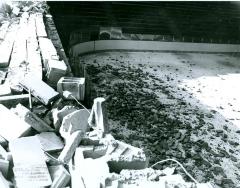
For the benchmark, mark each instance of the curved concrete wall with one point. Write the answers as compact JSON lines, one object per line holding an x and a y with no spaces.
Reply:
{"x":103,"y":45}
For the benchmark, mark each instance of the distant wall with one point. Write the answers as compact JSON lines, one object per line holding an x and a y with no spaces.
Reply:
{"x":103,"y":45}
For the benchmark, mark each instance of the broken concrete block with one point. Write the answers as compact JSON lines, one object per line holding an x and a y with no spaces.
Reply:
{"x":124,"y":156}
{"x":76,"y":86}
{"x":73,"y":122}
{"x":84,"y":171}
{"x":55,"y":70}
{"x":13,"y":100}
{"x":11,"y":122}
{"x":4,"y":183}
{"x":29,"y":163}
{"x":89,"y":172}
{"x":58,"y":115}
{"x":75,"y":170}
{"x":33,"y":120}
{"x":48,"y":50}
{"x":39,"y":89}
{"x":60,"y":176}
{"x":92,"y":138}
{"x":71,"y":144}
{"x":50,"y":141}
{"x":98,"y":116}
{"x":4,"y":166}
{"x":94,"y":152}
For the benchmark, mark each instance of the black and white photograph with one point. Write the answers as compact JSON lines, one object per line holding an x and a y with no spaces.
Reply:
{"x":119,"y":94}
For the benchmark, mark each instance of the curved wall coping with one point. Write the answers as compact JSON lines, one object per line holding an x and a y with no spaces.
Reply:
{"x":130,"y":45}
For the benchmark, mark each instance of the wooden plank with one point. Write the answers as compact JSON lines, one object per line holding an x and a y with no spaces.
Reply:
{"x":12,"y":126}
{"x":29,"y":163}
{"x":41,"y":32}
{"x":39,"y":89}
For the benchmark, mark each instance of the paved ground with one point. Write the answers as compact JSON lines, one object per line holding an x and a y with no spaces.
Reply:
{"x":175,"y":105}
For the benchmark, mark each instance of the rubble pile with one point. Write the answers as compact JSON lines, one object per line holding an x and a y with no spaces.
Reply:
{"x":48,"y":138}
{"x":140,"y":118}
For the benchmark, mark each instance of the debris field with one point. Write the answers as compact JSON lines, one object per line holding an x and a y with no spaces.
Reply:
{"x":125,"y":138}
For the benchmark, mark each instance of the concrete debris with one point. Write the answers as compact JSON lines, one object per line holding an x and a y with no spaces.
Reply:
{"x":29,"y":163}
{"x":72,"y":143}
{"x":76,"y":86}
{"x":150,"y":178}
{"x":94,"y":152}
{"x":48,"y":51}
{"x":55,"y":70}
{"x":76,"y":170}
{"x":92,"y":138}
{"x":98,"y":117}
{"x":11,"y":122}
{"x":50,"y":141}
{"x":75,"y":121}
{"x":39,"y":89}
{"x":59,"y":175}
{"x":55,"y":143}
{"x":124,"y":156}
{"x":84,"y":171}
{"x":33,"y":120}
{"x":58,"y":115}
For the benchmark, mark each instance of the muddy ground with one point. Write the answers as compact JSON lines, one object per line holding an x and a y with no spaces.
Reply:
{"x":184,"y":106}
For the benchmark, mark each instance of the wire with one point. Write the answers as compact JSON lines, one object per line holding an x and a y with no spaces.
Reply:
{"x":163,"y":161}
{"x":80,"y":103}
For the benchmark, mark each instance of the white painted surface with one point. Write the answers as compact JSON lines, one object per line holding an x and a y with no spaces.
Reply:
{"x":100,"y":45}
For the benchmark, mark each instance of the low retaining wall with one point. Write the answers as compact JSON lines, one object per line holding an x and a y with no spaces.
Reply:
{"x":102,"y":45}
